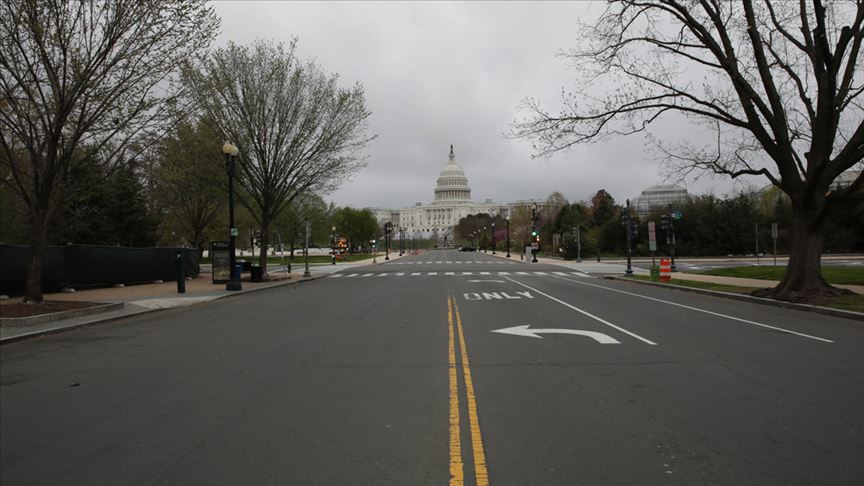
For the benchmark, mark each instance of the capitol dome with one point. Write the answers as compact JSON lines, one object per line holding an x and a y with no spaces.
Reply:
{"x":452,"y":185}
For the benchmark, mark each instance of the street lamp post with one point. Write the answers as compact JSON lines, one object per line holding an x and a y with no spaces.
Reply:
{"x":493,"y":237}
{"x":305,"y":251}
{"x":484,"y":248}
{"x":230,"y":151}
{"x":333,"y":245}
{"x":508,"y":236}
{"x":533,"y":231}
{"x":401,"y":238}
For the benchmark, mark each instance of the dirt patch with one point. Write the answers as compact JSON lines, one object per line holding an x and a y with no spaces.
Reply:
{"x":46,"y":307}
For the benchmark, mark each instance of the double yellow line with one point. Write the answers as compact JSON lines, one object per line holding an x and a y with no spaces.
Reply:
{"x":457,"y":475}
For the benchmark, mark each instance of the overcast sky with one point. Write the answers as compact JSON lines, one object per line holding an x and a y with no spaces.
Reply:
{"x":443,"y":73}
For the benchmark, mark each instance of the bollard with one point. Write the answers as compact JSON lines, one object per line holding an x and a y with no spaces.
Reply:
{"x":180,"y":271}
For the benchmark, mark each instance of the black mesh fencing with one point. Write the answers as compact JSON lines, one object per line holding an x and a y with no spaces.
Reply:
{"x":82,"y":266}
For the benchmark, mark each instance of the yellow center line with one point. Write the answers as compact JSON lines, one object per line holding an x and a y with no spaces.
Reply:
{"x":456,"y":472}
{"x":480,"y":472}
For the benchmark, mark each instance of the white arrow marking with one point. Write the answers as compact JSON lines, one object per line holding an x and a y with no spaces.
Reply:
{"x":498,"y":281}
{"x":524,"y":331}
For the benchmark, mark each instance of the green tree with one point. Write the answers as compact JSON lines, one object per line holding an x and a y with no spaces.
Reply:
{"x":297,"y":130}
{"x":190,"y":183}
{"x":84,"y":79}
{"x":291,"y":224}
{"x":106,"y":208}
{"x":783,"y":102}
{"x":358,"y":226}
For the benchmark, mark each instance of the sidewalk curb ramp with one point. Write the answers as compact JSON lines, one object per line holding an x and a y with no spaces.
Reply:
{"x":749,"y":298}
{"x":133,"y":313}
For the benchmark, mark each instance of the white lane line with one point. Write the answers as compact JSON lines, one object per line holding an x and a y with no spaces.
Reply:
{"x":414,"y":274}
{"x":580,"y":274}
{"x":485,"y":273}
{"x":383,"y":274}
{"x":336,"y":275}
{"x":754,"y":323}
{"x":540,"y":273}
{"x":432,"y":273}
{"x":592,"y":316}
{"x":366,"y":275}
{"x":399,"y":274}
{"x":352,"y":275}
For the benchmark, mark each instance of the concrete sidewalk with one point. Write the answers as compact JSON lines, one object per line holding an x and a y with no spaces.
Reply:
{"x":143,"y":298}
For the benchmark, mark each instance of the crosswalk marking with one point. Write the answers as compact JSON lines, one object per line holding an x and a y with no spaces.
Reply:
{"x":457,"y":274}
{"x":459,"y":262}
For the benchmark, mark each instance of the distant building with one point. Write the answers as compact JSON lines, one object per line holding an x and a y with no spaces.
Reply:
{"x":452,"y":202}
{"x":845,"y":180}
{"x":659,"y":197}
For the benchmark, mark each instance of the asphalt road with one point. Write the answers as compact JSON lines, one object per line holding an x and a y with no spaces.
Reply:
{"x":392,"y":374}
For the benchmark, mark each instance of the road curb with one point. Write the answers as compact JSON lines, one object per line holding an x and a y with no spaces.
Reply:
{"x":107,"y":319}
{"x":58,"y":316}
{"x":749,"y":298}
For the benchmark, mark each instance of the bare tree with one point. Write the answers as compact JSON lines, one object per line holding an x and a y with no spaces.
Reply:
{"x":81,"y":78}
{"x":297,"y":131}
{"x":774,"y":81}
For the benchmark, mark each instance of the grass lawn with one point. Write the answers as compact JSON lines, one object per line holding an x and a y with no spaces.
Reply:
{"x":847,"y":302}
{"x":834,"y":275}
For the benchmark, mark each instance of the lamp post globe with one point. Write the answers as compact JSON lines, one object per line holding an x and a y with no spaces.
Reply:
{"x":230,"y":152}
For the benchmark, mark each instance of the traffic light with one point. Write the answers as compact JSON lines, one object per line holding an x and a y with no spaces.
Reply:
{"x":634,"y":230}
{"x":664,"y":222}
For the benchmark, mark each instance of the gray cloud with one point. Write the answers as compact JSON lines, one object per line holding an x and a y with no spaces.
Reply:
{"x":440,"y":73}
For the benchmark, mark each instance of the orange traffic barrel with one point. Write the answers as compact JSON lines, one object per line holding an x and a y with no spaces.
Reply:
{"x":665,"y":270}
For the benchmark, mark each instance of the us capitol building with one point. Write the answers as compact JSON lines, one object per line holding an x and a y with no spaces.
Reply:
{"x":452,"y":202}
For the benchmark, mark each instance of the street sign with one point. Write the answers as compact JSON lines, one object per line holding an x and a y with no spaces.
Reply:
{"x":676,"y":214}
{"x":235,"y":232}
{"x":652,"y":236}
{"x":535,"y":245}
{"x":774,"y":230}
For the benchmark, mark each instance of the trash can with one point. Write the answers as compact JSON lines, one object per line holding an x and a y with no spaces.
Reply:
{"x":257,"y":273}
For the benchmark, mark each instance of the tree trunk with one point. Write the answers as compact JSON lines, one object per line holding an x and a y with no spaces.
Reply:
{"x":803,"y":280}
{"x":265,"y":240}
{"x":38,"y":234}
